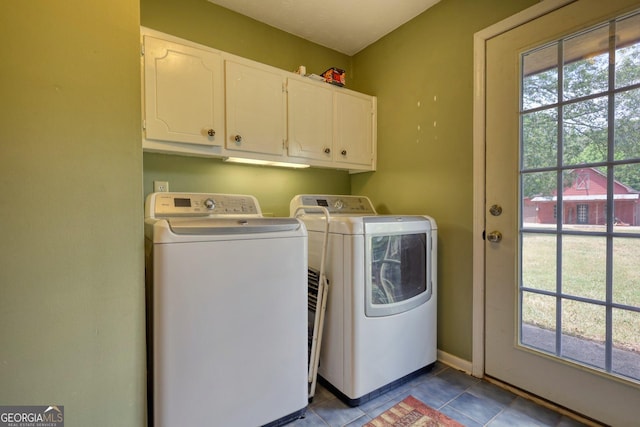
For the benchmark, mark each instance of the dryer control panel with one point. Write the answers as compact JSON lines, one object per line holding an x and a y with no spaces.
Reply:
{"x":335,"y":204}
{"x":166,"y":205}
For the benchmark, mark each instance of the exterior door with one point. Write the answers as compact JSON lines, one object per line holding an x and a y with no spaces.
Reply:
{"x":562,"y":294}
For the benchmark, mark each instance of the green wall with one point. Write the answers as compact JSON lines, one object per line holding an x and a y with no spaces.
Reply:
{"x":71,"y":264}
{"x":203,"y":22}
{"x":422,"y":74}
{"x":273,"y":187}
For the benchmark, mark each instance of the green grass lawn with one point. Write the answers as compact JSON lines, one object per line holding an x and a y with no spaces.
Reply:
{"x":584,"y":275}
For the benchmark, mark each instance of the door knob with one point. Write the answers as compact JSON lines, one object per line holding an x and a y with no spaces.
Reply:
{"x":494,"y":237}
{"x":211,"y":132}
{"x":238,"y":139}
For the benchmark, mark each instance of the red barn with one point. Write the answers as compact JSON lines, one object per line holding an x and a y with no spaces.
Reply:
{"x":585,"y":202}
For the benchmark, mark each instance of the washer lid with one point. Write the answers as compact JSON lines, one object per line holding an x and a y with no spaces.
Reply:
{"x":223,"y":226}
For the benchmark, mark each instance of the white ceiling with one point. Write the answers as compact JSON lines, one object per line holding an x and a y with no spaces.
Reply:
{"x":347,"y":26}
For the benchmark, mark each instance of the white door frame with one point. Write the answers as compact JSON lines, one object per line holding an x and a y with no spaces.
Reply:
{"x":479,"y":151}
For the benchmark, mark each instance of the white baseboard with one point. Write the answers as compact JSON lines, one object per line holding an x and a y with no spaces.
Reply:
{"x":455,"y":362}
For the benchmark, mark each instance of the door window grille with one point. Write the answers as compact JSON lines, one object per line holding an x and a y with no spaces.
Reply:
{"x":579,"y":109}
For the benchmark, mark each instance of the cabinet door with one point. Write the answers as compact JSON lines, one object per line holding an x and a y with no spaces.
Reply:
{"x":310,"y":125}
{"x":183,"y":93}
{"x":354,"y":132}
{"x":255,"y":109}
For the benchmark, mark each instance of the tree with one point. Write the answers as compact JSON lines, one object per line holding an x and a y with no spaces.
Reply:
{"x":585,"y":120}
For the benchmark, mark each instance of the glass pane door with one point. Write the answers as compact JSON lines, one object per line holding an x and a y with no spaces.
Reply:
{"x":579,"y":293}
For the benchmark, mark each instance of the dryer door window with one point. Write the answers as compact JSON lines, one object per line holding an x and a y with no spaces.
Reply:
{"x":398,"y":272}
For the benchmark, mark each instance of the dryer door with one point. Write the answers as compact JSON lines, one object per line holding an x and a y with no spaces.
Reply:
{"x":397,"y":264}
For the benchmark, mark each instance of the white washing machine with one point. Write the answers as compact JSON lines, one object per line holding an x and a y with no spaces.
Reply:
{"x":380,"y":323}
{"x":227,"y":312}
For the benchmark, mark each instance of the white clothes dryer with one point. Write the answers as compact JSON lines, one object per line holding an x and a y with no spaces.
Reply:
{"x":380,"y":323}
{"x":227,"y":312}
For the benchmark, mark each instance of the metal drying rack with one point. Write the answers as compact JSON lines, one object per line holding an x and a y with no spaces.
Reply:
{"x":318,"y":288}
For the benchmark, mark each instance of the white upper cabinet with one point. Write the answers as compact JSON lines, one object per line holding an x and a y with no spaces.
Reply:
{"x":332,"y":125}
{"x":355,"y":129}
{"x":310,"y":120}
{"x":183,"y":93}
{"x":204,"y":102}
{"x":255,"y":106}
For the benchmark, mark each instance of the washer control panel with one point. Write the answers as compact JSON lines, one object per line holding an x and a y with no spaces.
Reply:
{"x":352,"y":205}
{"x":163,"y":205}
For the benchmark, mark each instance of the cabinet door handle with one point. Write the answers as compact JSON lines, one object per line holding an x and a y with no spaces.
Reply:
{"x":327,"y":150}
{"x":211,"y":132}
{"x":238,"y":139}
{"x":343,"y":152}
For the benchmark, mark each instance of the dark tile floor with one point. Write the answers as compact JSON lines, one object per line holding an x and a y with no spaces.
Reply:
{"x":467,"y":399}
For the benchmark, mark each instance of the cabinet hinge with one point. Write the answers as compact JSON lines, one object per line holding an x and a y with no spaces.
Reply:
{"x":141,"y":49}
{"x":144,"y":124}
